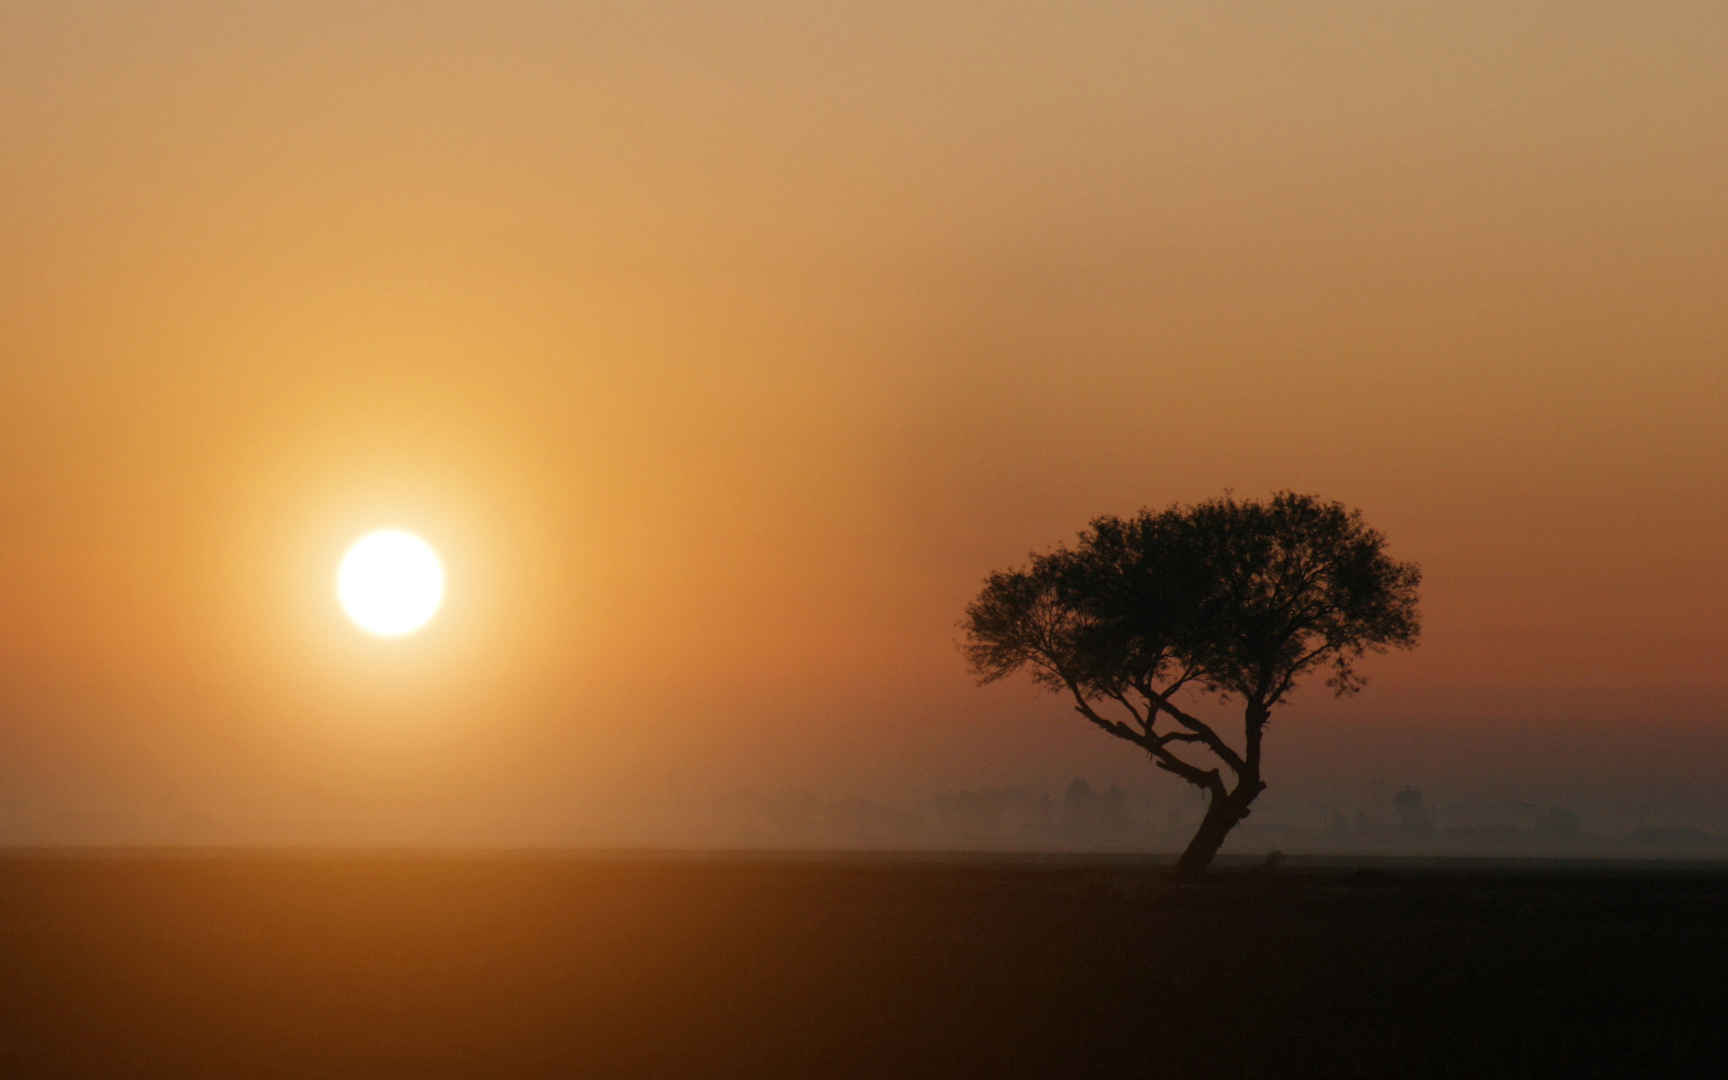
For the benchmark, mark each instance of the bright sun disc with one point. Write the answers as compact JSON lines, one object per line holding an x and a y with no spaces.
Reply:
{"x":390,"y":582}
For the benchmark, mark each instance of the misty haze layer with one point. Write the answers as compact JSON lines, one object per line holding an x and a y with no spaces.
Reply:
{"x":721,"y":353}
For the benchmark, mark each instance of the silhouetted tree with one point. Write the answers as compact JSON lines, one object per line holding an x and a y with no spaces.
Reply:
{"x":1558,"y":823}
{"x":1077,"y":801}
{"x":1413,"y":816}
{"x":1088,"y":814}
{"x":1237,"y":598}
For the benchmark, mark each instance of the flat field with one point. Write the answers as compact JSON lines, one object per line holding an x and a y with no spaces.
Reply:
{"x":222,"y":964}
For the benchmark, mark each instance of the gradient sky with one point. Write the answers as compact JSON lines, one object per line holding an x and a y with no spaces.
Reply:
{"x":722,"y":349}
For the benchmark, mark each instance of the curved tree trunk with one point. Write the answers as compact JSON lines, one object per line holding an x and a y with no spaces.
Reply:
{"x":1221,"y":816}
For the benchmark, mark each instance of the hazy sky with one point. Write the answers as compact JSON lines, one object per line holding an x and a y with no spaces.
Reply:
{"x":722,"y":349}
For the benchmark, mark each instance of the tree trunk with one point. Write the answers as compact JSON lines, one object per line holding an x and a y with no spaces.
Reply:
{"x":1221,"y":816}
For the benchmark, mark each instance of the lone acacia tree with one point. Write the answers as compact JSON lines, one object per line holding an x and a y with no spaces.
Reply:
{"x":1239,"y":599}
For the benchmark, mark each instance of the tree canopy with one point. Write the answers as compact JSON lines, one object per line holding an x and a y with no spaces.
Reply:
{"x":1238,"y":598}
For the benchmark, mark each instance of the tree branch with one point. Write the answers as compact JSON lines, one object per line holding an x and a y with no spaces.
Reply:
{"x":1180,"y":736}
{"x":1202,"y":730}
{"x":1145,"y":721}
{"x":1155,"y":746}
{"x":1296,"y":668}
{"x":1116,"y":728}
{"x":1202,"y":778}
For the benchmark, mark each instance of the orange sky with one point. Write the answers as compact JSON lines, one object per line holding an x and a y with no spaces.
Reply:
{"x":721,"y":352}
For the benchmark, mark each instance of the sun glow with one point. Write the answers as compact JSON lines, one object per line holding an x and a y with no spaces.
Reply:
{"x":390,"y":583}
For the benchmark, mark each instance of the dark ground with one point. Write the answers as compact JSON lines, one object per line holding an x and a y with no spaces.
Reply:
{"x":253,"y":965}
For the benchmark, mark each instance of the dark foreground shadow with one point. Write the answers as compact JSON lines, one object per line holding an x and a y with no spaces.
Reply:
{"x":364,"y":965}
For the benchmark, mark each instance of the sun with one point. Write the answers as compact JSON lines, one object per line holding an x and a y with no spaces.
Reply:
{"x":390,"y":582}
